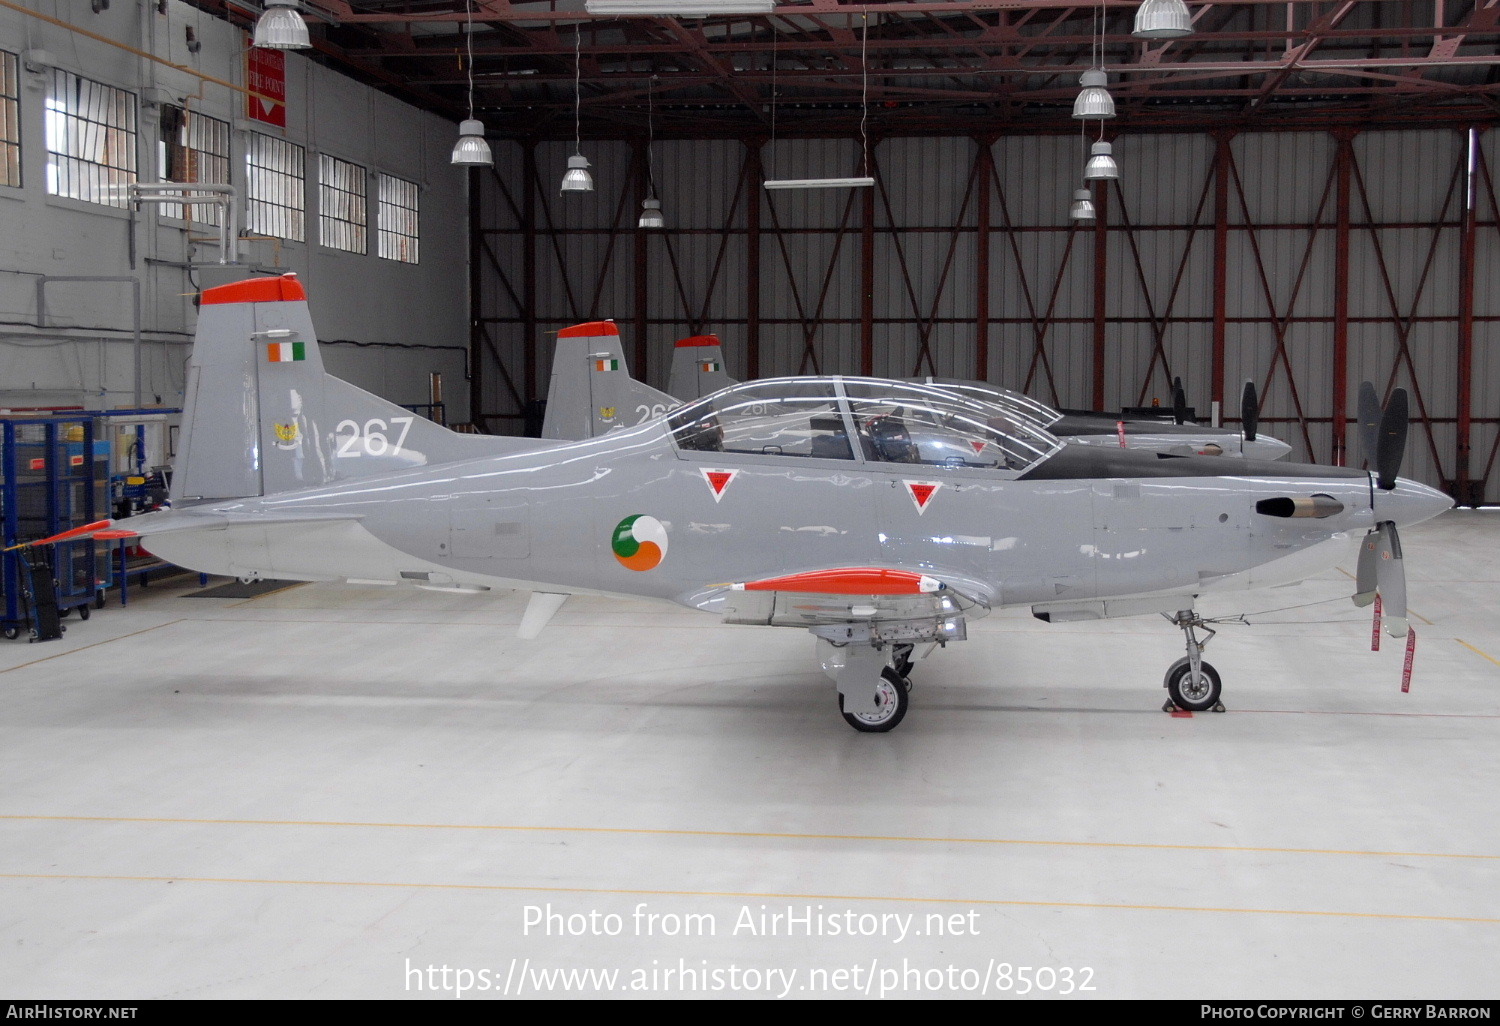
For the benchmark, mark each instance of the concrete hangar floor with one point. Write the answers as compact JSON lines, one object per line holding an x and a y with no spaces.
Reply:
{"x":337,"y":791}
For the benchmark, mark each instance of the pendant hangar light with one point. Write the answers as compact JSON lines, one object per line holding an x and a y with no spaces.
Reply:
{"x":651,"y":215}
{"x":280,"y":27}
{"x":577,"y":178}
{"x":1162,"y":19}
{"x":1083,"y":206}
{"x":471,"y":150}
{"x":1101,"y":163}
{"x":1094,"y":103}
{"x":1094,"y":100}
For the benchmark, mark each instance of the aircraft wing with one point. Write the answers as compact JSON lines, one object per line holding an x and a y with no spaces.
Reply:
{"x":892,"y":601}
{"x":149,"y":525}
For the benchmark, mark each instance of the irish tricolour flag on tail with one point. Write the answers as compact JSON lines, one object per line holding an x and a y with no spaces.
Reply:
{"x":708,"y":367}
{"x":286,"y":352}
{"x":606,"y":365}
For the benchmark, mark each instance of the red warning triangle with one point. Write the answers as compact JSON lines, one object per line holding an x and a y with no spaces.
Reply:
{"x":718,"y":480}
{"x":978,"y":445}
{"x":922,"y":492}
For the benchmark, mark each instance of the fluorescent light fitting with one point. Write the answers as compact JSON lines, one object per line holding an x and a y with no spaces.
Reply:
{"x":678,"y":8}
{"x":818,"y":183}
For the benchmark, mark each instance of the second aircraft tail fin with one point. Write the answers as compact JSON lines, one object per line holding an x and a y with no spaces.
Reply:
{"x":592,"y":392}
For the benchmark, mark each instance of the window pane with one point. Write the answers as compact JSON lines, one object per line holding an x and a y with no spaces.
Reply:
{"x":10,"y":122}
{"x":276,"y":177}
{"x":396,"y":223}
{"x":194,"y":149}
{"x":342,"y":213}
{"x":91,"y":140}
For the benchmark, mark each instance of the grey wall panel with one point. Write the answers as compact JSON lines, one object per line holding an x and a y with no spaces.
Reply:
{"x":1165,"y":178}
{"x":926,"y":182}
{"x":697,"y":182}
{"x":1283,"y":178}
{"x":1037,"y":178}
{"x":1408,"y":176}
{"x":696,"y":278}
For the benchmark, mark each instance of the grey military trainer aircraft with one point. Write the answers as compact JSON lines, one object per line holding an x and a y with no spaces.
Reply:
{"x":879,"y":515}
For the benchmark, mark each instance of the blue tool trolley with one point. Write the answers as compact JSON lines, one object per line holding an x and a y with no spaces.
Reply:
{"x":54,"y":476}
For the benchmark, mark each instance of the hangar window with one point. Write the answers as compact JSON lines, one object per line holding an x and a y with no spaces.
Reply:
{"x":343,"y":209}
{"x":91,"y":129}
{"x":276,"y":181}
{"x":771,"y":418}
{"x":193,"y":149}
{"x":10,"y":122}
{"x":396,"y":219}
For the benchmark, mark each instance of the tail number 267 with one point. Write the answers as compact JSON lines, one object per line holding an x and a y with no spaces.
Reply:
{"x":373,"y":438}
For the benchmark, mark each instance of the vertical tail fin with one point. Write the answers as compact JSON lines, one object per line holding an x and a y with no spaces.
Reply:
{"x":260,"y":416}
{"x":592,"y":392}
{"x":697,"y":368}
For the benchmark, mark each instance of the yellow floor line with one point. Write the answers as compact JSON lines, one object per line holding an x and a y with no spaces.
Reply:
{"x":648,"y":832}
{"x":756,"y":896}
{"x":1479,"y":651}
{"x":82,"y":648}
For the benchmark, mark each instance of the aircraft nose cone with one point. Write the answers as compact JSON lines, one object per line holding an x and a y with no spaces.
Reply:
{"x":1410,"y":502}
{"x":1266,"y":448}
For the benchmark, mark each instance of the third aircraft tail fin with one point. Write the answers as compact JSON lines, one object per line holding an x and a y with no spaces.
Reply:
{"x":592,"y":392}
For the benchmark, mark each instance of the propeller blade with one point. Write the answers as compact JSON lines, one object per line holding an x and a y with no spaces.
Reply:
{"x":1249,"y":411}
{"x":1391,"y":446}
{"x":1179,"y":402}
{"x":1369,"y":422}
{"x":1365,"y":579}
{"x":1391,"y":570}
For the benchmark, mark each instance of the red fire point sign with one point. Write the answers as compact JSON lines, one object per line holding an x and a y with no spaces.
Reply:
{"x":265,"y":73}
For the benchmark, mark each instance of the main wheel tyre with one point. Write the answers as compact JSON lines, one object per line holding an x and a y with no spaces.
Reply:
{"x":893,"y":700}
{"x":1195,"y":695}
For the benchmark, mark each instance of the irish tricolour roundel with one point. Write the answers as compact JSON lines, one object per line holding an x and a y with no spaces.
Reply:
{"x":640,"y":542}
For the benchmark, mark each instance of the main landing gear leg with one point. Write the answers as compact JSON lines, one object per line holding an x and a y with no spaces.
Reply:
{"x":872,"y":696}
{"x":1192,"y":683}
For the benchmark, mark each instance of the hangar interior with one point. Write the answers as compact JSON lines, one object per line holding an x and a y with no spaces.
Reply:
{"x":333,"y":790}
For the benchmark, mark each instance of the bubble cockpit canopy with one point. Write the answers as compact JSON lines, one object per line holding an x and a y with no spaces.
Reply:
{"x":864,"y":419}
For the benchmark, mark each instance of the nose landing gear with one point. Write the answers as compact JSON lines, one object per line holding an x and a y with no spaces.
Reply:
{"x":1191,"y":683}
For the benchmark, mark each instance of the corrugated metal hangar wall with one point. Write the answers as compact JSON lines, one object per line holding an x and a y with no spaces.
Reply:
{"x":1304,"y":260}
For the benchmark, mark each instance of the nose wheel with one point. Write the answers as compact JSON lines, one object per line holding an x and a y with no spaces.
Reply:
{"x":1192,"y":684}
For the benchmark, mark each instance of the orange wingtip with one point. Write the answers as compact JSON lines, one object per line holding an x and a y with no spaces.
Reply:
{"x":857,"y":580}
{"x":592,"y":329}
{"x":77,"y":532}
{"x":115,"y":534}
{"x":697,"y":340}
{"x":285,"y":288}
